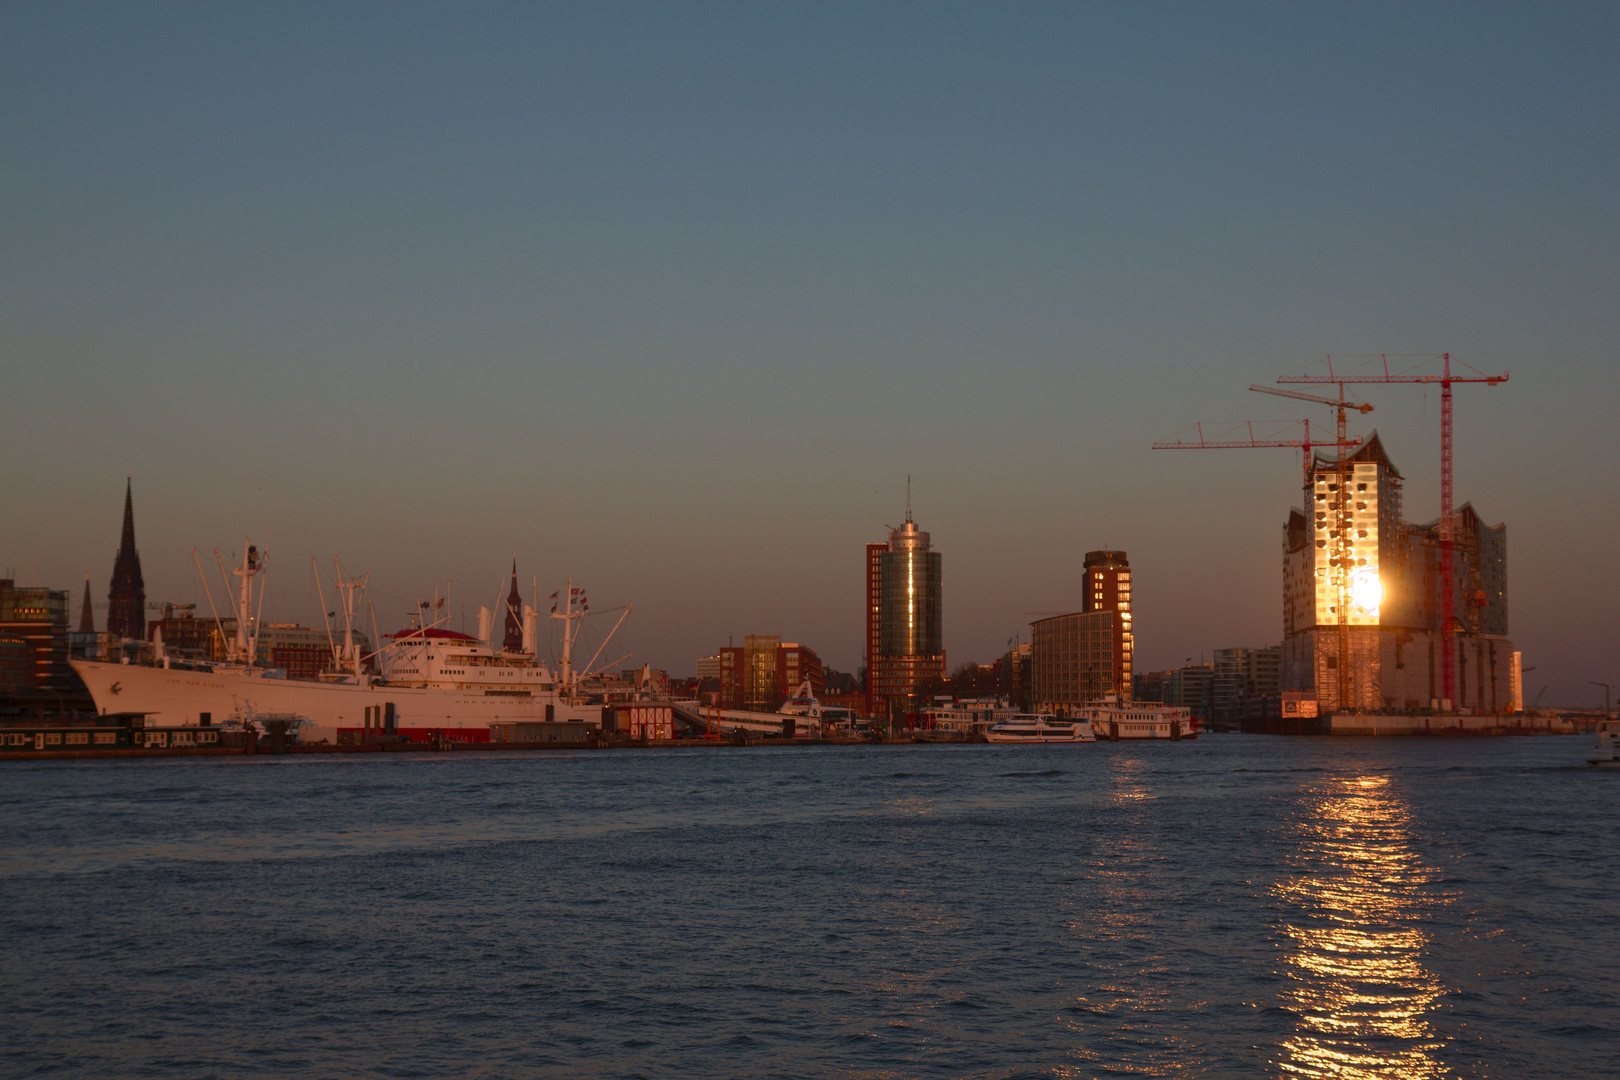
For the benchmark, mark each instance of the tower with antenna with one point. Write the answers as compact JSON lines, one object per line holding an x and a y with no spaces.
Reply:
{"x":904,"y":618}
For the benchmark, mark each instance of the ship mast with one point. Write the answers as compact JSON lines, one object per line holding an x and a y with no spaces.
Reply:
{"x":567,"y":615}
{"x":247,"y":644}
{"x":351,"y":654}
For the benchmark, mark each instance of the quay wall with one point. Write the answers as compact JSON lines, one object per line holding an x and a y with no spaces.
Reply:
{"x":1353,"y":724}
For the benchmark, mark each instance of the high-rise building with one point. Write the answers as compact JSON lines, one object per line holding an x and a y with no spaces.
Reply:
{"x":126,"y":596}
{"x":1108,"y":588}
{"x":1085,"y":656}
{"x":905,"y":632}
{"x":874,"y":618}
{"x":1351,"y":548}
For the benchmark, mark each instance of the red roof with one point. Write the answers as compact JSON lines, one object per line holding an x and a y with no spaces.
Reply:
{"x":434,"y":633}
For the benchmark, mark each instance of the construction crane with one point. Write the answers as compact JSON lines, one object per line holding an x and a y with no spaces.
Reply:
{"x":1416,"y":368}
{"x":1240,"y":434}
{"x":1340,"y":561}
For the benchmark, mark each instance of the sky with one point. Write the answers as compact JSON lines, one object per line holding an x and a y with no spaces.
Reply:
{"x":673,"y":298}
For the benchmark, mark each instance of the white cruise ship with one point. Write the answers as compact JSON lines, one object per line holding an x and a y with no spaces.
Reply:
{"x":427,"y":677}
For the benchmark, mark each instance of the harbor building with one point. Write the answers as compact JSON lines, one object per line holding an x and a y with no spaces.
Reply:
{"x":904,"y":619}
{"x":1352,"y":549}
{"x":1074,"y":659}
{"x":1243,"y":679}
{"x":763,"y":672}
{"x":1084,"y":656}
{"x":1192,"y":687}
{"x":38,"y":618}
{"x":126,"y":596}
{"x":759,"y":670}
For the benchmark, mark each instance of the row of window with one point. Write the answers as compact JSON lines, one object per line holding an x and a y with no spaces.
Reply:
{"x":57,"y":738}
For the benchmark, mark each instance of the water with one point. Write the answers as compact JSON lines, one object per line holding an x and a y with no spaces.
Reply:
{"x":1237,"y":906}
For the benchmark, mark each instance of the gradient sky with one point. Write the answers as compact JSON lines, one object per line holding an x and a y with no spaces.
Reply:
{"x":674,"y":297}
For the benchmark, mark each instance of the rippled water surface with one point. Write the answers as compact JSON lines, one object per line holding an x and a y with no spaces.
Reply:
{"x":1235,"y":906}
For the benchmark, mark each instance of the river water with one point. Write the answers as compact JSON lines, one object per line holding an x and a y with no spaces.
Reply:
{"x":1234,"y":906}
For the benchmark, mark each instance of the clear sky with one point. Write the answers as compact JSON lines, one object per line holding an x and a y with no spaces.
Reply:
{"x":674,"y":297}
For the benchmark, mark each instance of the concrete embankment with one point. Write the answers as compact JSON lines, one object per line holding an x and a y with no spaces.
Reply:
{"x":1349,"y":724}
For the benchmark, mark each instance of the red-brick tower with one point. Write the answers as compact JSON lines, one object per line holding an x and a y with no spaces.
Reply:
{"x":126,"y":598}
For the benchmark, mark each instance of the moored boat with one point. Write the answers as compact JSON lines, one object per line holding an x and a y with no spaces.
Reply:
{"x":1606,"y":755}
{"x":1112,"y":719}
{"x":1040,"y":728}
{"x":425,"y":676}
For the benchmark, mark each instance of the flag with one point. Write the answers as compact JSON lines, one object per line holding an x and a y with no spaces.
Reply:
{"x":554,"y":596}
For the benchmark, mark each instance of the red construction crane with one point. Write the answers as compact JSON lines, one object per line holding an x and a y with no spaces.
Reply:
{"x":1416,"y":368}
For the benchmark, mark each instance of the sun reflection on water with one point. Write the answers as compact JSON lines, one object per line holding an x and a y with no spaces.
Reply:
{"x":1357,"y":981}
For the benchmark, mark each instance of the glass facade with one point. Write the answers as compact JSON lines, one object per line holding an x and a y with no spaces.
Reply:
{"x":910,"y":600}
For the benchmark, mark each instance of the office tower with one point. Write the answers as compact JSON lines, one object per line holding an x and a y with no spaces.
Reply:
{"x":905,"y":631}
{"x":1108,"y":588}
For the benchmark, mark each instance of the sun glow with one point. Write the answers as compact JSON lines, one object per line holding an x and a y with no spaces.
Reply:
{"x":1366,"y":592}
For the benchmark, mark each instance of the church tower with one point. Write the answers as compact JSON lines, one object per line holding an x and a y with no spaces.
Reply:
{"x":87,"y":618}
{"x":514,"y":611}
{"x":126,"y":598}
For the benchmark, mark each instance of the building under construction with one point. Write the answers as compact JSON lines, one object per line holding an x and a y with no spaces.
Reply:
{"x":1350,"y":547}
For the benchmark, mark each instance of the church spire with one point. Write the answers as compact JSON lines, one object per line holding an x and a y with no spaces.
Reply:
{"x":514,"y":609}
{"x":126,"y":597}
{"x":87,"y":618}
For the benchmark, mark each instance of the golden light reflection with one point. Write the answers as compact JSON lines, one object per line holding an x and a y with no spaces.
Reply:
{"x":1357,"y":981}
{"x":1366,"y":591}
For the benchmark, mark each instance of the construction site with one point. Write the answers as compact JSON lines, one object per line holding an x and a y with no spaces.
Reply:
{"x":1389,"y":626}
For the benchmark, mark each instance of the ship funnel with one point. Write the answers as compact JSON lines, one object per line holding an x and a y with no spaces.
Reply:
{"x":529,"y":629}
{"x":486,"y":624}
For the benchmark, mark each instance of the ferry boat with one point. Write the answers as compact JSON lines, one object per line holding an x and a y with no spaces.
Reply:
{"x":427,"y":676}
{"x":814,"y":718}
{"x":1040,"y":728}
{"x":1606,"y":755}
{"x":971,"y":717}
{"x":1113,"y":719}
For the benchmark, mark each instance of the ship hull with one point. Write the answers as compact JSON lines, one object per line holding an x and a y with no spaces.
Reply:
{"x":179,"y":697}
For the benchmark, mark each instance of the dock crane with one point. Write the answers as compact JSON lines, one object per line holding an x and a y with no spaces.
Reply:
{"x":1415,"y":368}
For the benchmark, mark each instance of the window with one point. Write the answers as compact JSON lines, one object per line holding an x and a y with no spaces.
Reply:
{"x":14,"y":740}
{"x":105,"y":737}
{"x":77,"y":737}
